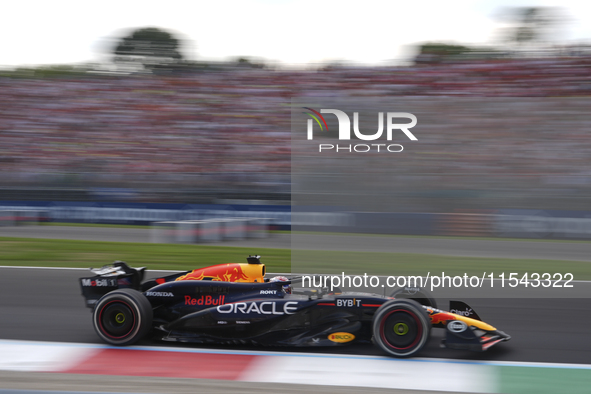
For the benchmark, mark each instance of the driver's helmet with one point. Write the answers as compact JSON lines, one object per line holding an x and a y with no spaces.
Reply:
{"x":286,"y":287}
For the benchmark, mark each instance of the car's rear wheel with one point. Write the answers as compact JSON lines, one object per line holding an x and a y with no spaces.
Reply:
{"x":122,"y":317}
{"x":401,"y":327}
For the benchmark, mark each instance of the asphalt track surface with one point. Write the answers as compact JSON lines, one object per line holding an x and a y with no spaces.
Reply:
{"x":46,"y":305}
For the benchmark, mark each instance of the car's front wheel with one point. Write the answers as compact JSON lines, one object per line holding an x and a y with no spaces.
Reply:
{"x":401,"y":327}
{"x":122,"y":317}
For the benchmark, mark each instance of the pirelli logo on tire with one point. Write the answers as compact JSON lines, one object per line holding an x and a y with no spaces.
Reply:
{"x":341,"y":337}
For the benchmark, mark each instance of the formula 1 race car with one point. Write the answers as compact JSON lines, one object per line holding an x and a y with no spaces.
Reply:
{"x":235,"y":303}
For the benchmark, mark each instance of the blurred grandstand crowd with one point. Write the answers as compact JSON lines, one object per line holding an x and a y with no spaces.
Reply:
{"x":230,"y":129}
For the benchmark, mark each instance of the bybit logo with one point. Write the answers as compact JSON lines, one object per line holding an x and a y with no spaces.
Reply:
{"x":345,"y":130}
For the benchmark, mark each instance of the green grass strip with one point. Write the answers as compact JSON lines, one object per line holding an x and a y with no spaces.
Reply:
{"x":84,"y":254}
{"x":542,"y":380}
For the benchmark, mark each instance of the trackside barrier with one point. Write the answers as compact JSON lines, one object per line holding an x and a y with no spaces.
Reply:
{"x":465,"y":224}
{"x":530,"y":224}
{"x":506,"y":223}
{"x":12,"y":217}
{"x":210,"y":230}
{"x":542,"y":225}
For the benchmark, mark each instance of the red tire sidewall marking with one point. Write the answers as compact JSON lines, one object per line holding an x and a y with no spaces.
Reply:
{"x":383,"y":334}
{"x":100,"y":318}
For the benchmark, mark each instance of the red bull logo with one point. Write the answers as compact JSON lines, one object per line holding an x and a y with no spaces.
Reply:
{"x":205,"y":300}
{"x":227,"y":273}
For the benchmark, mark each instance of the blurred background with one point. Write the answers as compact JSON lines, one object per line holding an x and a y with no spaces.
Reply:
{"x":144,"y":112}
{"x":191,"y":105}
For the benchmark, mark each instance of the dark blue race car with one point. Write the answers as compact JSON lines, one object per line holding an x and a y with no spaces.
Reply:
{"x":235,"y":303}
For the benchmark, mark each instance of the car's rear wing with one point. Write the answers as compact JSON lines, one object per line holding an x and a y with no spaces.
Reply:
{"x":110,"y":277}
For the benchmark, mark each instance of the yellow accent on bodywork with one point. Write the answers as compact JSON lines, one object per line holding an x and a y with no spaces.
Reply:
{"x":433,"y":312}
{"x":473,"y":322}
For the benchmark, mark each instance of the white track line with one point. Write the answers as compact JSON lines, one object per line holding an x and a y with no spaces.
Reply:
{"x":79,"y":345}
